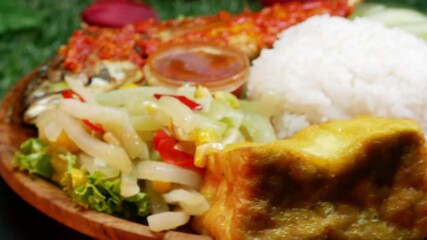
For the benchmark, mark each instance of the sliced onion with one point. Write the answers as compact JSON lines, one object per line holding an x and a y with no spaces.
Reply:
{"x":181,"y":115}
{"x":75,"y":83}
{"x":43,"y":120}
{"x":92,"y":112}
{"x":121,"y":97}
{"x":167,"y":220}
{"x":92,"y":165}
{"x":130,"y":140}
{"x":192,"y":202}
{"x":113,"y":156}
{"x":52,"y":131}
{"x":110,"y":138}
{"x":145,"y":123}
{"x":129,"y":185}
{"x":161,"y":171}
{"x":113,"y":120}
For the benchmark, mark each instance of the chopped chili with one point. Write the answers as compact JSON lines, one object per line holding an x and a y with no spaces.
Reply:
{"x":183,"y":99}
{"x":166,"y":146}
{"x":96,"y":127}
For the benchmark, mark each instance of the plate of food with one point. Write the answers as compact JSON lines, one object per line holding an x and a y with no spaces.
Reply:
{"x":303,"y":120}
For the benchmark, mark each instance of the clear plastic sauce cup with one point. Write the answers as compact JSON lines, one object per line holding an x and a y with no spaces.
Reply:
{"x":218,"y":68}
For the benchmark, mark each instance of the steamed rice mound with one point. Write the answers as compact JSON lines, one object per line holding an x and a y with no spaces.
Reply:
{"x":334,"y":68}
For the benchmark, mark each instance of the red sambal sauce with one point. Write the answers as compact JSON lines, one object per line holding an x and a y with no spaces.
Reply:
{"x":89,"y":45}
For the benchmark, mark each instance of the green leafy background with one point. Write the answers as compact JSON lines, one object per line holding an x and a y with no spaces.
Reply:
{"x":31,"y":31}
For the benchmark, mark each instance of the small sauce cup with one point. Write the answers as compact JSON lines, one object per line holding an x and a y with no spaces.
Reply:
{"x":219,"y":68}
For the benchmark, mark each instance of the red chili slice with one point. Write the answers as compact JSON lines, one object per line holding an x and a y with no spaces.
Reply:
{"x":71,"y":94}
{"x":160,"y":135}
{"x":171,"y":155}
{"x":96,"y":127}
{"x":166,"y":146}
{"x":183,"y":99}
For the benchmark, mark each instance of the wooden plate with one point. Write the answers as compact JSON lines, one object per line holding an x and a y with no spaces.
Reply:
{"x":50,"y":199}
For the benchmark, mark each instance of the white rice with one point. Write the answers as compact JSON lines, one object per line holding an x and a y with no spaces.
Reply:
{"x":333,"y":68}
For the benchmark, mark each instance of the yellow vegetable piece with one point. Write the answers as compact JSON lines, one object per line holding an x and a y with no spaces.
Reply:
{"x":60,"y":167}
{"x":63,"y":141}
{"x":205,"y":152}
{"x":129,"y":85}
{"x":200,"y":159}
{"x":151,"y":107}
{"x":161,"y":187}
{"x":204,"y":136}
{"x":77,"y":177}
{"x":202,"y":92}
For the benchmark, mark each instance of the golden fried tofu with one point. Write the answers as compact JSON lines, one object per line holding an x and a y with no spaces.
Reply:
{"x":364,"y":178}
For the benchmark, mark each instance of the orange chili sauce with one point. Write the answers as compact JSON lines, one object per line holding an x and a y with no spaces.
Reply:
{"x":198,"y":66}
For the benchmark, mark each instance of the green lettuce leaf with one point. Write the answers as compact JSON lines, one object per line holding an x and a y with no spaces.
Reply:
{"x":33,"y":157}
{"x":36,"y":157}
{"x":62,"y":163}
{"x":103,"y":195}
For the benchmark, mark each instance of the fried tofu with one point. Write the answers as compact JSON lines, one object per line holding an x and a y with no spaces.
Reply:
{"x":364,"y":178}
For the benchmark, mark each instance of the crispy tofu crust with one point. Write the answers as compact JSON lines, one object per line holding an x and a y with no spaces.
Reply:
{"x":364,"y":178}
